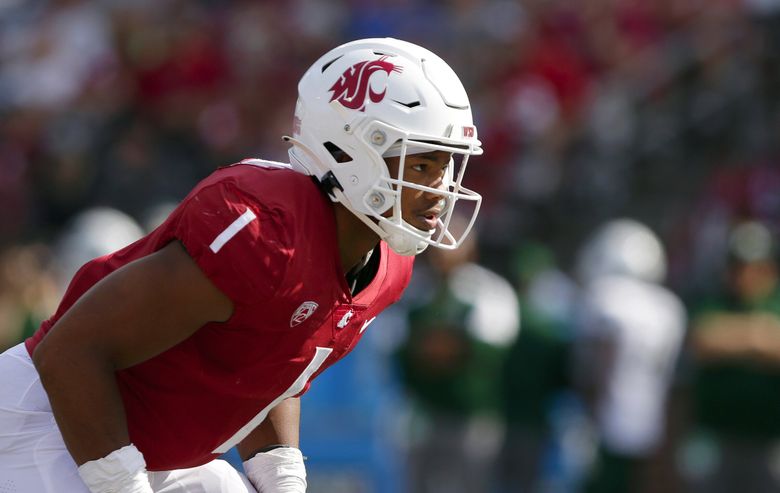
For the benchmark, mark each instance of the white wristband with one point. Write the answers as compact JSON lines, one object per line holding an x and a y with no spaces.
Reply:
{"x":121,"y":471}
{"x":280,"y":470}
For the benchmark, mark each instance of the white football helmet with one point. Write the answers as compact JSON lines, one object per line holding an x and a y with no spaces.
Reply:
{"x":622,"y":247}
{"x":93,"y":233}
{"x":376,"y":98}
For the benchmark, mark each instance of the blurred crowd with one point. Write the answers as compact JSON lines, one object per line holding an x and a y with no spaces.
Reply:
{"x":523,"y":368}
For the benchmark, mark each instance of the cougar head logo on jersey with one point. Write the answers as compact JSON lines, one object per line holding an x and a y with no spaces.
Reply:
{"x":352,"y":88}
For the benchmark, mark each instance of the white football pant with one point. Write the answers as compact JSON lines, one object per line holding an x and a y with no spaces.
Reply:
{"x":33,"y":457}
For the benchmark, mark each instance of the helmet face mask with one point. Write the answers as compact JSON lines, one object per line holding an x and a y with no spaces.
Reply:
{"x":454,"y":199}
{"x":372,"y":99}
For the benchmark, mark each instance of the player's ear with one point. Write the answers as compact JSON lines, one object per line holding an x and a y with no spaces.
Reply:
{"x":392,"y":166}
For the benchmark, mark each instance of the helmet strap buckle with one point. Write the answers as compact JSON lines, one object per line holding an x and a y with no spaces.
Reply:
{"x":328,"y":183}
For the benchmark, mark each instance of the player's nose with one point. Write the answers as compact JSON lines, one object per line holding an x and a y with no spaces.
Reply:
{"x":438,"y":187}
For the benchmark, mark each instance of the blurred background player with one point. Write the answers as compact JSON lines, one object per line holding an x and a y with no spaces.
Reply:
{"x":735,"y":339}
{"x":34,"y":277}
{"x":539,"y":409}
{"x":629,"y":333}
{"x":459,"y":329}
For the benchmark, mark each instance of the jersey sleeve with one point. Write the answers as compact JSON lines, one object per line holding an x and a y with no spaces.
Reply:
{"x":240,"y":244}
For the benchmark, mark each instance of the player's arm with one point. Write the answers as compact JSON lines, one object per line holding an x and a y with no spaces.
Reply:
{"x":272,"y":460}
{"x":128,"y":317}
{"x":750,"y":336}
{"x":279,"y":428}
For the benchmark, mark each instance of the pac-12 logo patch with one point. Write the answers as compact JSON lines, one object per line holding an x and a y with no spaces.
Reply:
{"x":352,"y":89}
{"x":303,"y":312}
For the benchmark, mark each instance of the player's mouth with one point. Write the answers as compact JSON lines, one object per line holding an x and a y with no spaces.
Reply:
{"x":428,"y":219}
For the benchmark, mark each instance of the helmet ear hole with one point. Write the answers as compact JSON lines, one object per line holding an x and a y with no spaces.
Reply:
{"x":339,"y":154}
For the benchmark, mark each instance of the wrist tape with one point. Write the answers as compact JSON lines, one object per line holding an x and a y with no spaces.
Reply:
{"x":280,"y":470}
{"x":121,"y":471}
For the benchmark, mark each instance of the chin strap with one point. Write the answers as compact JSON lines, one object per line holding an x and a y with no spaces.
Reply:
{"x":401,"y":243}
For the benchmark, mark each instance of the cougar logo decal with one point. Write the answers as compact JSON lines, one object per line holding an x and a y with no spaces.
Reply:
{"x":352,"y":89}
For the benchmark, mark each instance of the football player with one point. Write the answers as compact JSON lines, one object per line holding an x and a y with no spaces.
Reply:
{"x":202,"y":335}
{"x":628,"y":337}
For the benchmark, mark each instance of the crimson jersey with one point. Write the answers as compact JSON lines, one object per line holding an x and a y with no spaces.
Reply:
{"x":266,"y":236}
